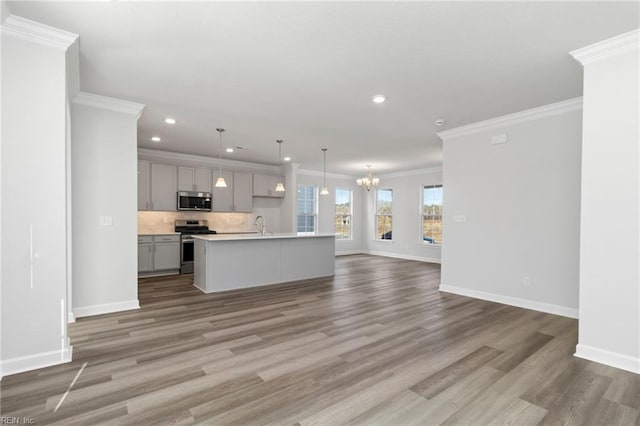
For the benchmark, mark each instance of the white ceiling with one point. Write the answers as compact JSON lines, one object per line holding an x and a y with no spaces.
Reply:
{"x":305,"y":71}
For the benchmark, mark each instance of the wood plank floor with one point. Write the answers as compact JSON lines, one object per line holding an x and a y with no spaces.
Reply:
{"x":376,"y":344}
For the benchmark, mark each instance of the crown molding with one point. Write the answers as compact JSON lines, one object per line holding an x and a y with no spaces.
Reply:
{"x":112,"y":104}
{"x":510,"y":119}
{"x":415,"y":172}
{"x":36,"y":32}
{"x":180,"y":159}
{"x":321,"y":174}
{"x":610,"y":47}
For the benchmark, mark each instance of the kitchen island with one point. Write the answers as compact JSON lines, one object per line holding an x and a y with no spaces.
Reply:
{"x":229,"y":262}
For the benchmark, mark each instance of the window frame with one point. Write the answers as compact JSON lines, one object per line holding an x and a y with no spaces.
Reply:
{"x":314,"y":214}
{"x":376,"y":216}
{"x":350,"y":215}
{"x":424,"y":216}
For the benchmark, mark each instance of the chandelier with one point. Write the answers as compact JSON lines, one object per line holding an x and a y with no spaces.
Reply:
{"x":368,"y":181}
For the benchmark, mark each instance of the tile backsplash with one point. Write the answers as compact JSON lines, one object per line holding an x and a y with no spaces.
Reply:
{"x":155,"y":222}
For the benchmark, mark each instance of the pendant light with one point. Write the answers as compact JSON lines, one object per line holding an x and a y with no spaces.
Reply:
{"x":324,"y":190}
{"x":220,"y":183}
{"x":279,"y":185}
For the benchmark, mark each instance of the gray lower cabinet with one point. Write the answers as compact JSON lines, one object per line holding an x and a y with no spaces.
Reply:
{"x":145,"y":257}
{"x":158,"y":254}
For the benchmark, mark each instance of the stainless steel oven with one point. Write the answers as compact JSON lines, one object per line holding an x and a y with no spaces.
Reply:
{"x":187,"y":229}
{"x":187,"y":245}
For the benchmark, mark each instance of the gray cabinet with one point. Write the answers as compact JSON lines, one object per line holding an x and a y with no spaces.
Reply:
{"x":144,"y":185}
{"x":194,"y":179}
{"x":158,"y":254}
{"x":237,"y":196}
{"x":265,"y":185}
{"x":242,"y":192}
{"x":145,"y":253}
{"x":164,"y":187}
{"x":223,"y":197}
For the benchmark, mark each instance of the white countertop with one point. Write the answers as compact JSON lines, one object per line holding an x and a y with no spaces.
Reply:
{"x":157,"y":233}
{"x":268,"y":236}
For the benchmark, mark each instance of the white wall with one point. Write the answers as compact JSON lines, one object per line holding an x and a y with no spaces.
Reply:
{"x":269,"y":209}
{"x":610,"y":222}
{"x":407,"y":216}
{"x":327,"y":208}
{"x":288,"y":205}
{"x":511,"y":211}
{"x":4,"y":10}
{"x":34,"y":196}
{"x":104,"y":172}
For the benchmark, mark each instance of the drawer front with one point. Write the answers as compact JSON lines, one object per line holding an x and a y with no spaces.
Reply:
{"x":166,"y":238}
{"x":145,"y":239}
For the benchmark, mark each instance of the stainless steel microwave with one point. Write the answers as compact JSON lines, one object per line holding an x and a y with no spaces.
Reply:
{"x":193,"y":200}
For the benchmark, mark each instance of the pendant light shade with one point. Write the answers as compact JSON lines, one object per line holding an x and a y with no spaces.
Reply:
{"x":279,"y":185}
{"x":220,"y":183}
{"x":324,"y":190}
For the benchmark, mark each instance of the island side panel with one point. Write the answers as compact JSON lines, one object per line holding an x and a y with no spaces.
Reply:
{"x":242,"y":264}
{"x":200,"y":265}
{"x":304,"y":258}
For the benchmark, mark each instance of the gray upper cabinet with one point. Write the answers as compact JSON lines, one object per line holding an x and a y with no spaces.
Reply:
{"x":242,"y":192}
{"x":164,"y":187}
{"x":237,"y":196}
{"x":194,"y":179}
{"x":223,"y":197}
{"x":144,"y":185}
{"x":265,"y":185}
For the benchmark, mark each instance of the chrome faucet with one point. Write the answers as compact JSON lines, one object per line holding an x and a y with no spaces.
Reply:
{"x":260,"y":224}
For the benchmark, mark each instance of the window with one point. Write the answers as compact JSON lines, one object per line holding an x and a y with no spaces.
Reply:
{"x":432,"y":214}
{"x":306,"y":209}
{"x":384,"y":210}
{"x":344,"y":211}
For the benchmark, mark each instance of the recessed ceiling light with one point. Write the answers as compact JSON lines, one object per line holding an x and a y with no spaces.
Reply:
{"x":440,"y":121}
{"x":170,"y":120}
{"x":287,"y":158}
{"x":378,"y":99}
{"x":229,"y":149}
{"x":155,"y":138}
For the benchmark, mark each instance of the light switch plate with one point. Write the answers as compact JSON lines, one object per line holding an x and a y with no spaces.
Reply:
{"x":459,"y":218}
{"x":498,"y":139}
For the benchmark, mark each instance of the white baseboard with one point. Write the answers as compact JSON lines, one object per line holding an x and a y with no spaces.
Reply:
{"x":348,"y":252}
{"x":107,"y":308}
{"x":35,"y":361}
{"x":402,"y":256}
{"x":612,"y":359}
{"x":513,"y":301}
{"x":71,"y":318}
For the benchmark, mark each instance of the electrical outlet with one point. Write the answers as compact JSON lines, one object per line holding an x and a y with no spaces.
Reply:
{"x":526,"y":281}
{"x":106,"y":221}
